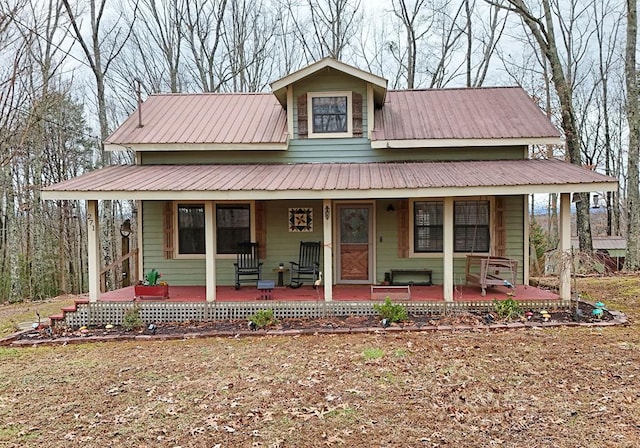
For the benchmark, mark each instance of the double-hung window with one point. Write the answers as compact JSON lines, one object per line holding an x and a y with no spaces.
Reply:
{"x":191,"y":229}
{"x":470,"y":226}
{"x":330,"y":114}
{"x":427,"y":226}
{"x":233,"y":226}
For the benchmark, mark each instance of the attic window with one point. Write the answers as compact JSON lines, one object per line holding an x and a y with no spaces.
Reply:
{"x":330,"y":114}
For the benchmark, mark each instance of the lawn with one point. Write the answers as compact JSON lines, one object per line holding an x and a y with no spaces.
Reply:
{"x":563,"y":387}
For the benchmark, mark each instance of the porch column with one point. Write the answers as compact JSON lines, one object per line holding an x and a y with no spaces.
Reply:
{"x":447,"y":251}
{"x":327,"y":254}
{"x":527,"y":246}
{"x":210,"y":251}
{"x":564,"y":246}
{"x":93,"y":249}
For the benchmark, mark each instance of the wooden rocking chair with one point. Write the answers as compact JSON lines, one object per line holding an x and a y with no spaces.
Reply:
{"x":307,"y":266}
{"x":248,"y":264}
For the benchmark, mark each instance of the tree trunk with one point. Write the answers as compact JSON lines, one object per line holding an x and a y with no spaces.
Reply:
{"x":632,"y":259}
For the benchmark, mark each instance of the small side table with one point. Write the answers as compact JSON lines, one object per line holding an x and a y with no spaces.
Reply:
{"x":265,"y":287}
{"x":281,"y":271}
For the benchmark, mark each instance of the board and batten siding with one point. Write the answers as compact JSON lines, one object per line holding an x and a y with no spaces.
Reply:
{"x":330,"y":81}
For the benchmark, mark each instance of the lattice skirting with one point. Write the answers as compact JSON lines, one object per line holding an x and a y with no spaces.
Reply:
{"x":102,"y":313}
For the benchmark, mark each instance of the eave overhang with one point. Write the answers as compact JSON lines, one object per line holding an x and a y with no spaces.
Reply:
{"x":330,"y":181}
{"x":464,"y":143}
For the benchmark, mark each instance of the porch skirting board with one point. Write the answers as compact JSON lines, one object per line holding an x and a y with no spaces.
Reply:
{"x":103,"y":313}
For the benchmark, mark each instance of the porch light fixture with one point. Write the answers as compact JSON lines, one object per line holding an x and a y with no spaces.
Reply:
{"x":391,"y":208}
{"x":125,"y":228}
{"x":596,"y":201}
{"x":327,"y":212}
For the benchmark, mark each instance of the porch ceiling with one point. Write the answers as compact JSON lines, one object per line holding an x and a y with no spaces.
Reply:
{"x":330,"y":180}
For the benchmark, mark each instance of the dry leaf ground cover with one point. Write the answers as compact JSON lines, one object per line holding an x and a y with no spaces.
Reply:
{"x":560,"y":387}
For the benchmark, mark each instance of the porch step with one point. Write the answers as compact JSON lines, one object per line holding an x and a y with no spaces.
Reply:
{"x":60,"y":317}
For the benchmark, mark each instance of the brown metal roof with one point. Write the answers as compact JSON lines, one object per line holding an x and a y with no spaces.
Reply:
{"x":207,"y":118}
{"x":465,"y":113}
{"x":324,"y":179}
{"x":603,"y":242}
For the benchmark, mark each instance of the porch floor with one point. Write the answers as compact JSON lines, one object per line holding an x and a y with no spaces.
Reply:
{"x":359,"y":293}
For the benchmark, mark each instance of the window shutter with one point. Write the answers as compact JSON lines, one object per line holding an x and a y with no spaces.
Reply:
{"x":261,"y":229}
{"x":403,"y":228}
{"x":167,"y":229}
{"x":302,"y":116}
{"x":500,"y":247}
{"x":356,"y":114}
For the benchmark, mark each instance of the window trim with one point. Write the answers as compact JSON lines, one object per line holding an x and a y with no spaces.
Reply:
{"x":176,"y":231}
{"x":310,"y":96}
{"x":439,"y":255}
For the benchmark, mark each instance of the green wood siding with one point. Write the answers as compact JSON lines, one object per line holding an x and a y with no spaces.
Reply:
{"x":174,"y":272}
{"x":355,"y":150}
{"x":282,"y":245}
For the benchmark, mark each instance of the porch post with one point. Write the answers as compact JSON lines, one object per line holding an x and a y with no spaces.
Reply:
{"x":564,"y":246}
{"x":327,"y":228}
{"x":527,"y":246}
{"x":93,"y":249}
{"x":447,"y":251}
{"x":210,"y":251}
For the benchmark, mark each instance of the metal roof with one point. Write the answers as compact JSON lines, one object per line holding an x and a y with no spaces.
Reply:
{"x":330,"y":180}
{"x":466,"y":113}
{"x":206,"y":118}
{"x":603,"y":242}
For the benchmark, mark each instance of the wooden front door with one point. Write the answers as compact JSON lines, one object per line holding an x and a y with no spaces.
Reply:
{"x":355,"y":241}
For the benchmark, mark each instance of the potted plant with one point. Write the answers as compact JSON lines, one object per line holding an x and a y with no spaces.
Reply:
{"x":151,"y":287}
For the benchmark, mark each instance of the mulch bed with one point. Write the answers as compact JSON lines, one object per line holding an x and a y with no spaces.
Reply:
{"x":337,"y":324}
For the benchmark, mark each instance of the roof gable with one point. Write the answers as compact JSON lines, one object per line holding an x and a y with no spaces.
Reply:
{"x":379,"y":84}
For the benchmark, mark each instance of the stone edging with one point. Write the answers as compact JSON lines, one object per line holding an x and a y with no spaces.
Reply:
{"x":12,"y":340}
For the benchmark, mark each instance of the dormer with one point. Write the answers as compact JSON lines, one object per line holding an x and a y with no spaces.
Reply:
{"x":330,"y":99}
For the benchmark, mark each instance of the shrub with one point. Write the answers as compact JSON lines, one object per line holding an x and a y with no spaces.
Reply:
{"x":131,"y":320}
{"x":393,"y":312}
{"x":507,"y":309}
{"x":263,"y":318}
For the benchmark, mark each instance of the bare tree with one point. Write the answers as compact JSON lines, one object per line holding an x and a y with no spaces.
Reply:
{"x":204,"y":26}
{"x":100,"y":51}
{"x":543,"y":28}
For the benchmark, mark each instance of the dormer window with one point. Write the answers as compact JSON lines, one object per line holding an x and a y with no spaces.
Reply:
{"x":330,"y":114}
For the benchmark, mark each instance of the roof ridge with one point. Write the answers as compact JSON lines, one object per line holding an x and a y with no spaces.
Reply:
{"x":208,"y":93}
{"x":433,"y":89}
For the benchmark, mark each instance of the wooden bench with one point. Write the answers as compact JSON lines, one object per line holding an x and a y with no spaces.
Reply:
{"x":266,"y":287}
{"x":425,"y":273}
{"x":381,"y":292}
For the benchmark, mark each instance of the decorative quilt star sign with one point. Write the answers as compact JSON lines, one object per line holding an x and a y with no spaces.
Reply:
{"x":300,"y":220}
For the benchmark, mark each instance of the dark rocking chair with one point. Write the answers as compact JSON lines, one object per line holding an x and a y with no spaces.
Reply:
{"x":307,"y":266}
{"x":248,"y":264}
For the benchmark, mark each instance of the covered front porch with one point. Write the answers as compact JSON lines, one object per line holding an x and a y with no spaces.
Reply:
{"x":380,"y":190}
